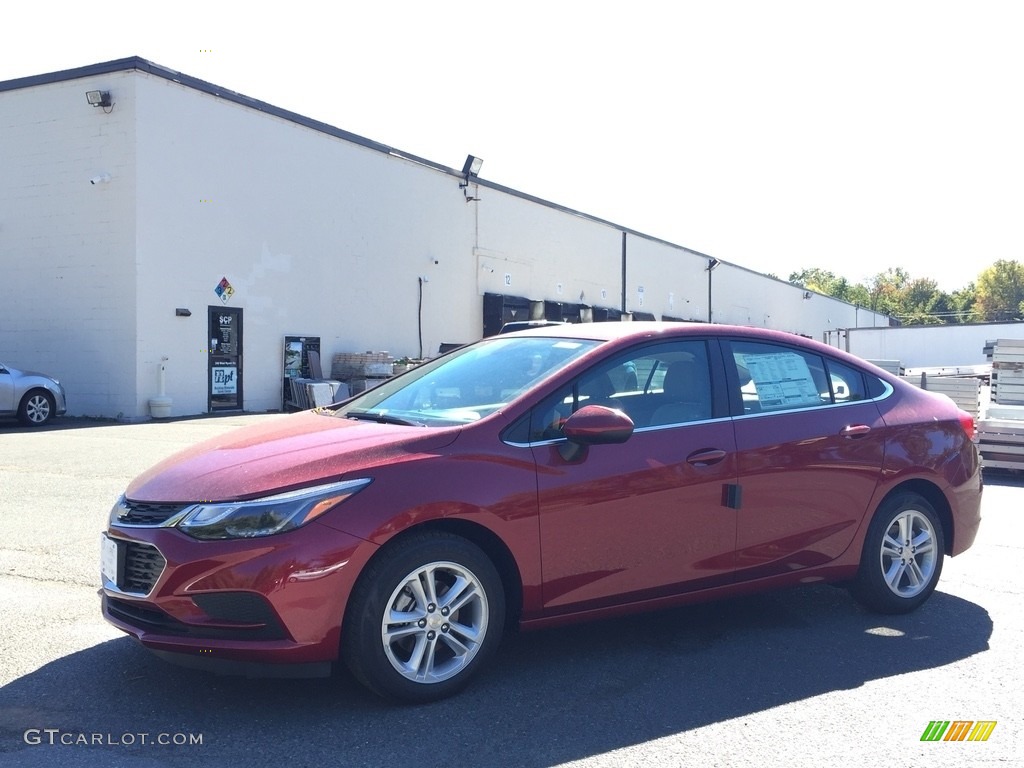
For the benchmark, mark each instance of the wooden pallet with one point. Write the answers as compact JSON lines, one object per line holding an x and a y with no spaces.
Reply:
{"x":1001,"y":443}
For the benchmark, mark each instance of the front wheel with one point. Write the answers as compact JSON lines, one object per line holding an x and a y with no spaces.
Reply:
{"x":425,"y":615}
{"x":902,"y":557}
{"x":37,"y":408}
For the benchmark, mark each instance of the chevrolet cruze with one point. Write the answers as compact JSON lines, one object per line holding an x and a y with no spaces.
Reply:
{"x":533,"y":479}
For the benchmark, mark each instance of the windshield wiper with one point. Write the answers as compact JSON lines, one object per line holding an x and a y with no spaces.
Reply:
{"x":381,"y":418}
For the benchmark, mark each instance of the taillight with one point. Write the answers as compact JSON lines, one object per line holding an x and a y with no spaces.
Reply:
{"x":967,"y":422}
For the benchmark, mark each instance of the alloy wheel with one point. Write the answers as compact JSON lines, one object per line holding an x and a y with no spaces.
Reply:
{"x":908,"y":553}
{"x":37,"y":409}
{"x":434,"y":622}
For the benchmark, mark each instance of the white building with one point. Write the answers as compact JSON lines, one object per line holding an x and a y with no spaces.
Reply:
{"x":119,"y":220}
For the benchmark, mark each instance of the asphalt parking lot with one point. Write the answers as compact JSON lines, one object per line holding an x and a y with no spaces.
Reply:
{"x":800,"y":677}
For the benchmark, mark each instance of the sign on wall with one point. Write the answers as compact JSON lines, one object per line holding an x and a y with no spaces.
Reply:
{"x":224,"y":289}
{"x":224,"y":380}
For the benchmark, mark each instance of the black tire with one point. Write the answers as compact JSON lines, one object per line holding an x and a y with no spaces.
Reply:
{"x":37,"y":407}
{"x":902,"y":557}
{"x":436,"y":652}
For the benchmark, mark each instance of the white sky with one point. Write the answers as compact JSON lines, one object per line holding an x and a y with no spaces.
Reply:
{"x":775,"y":135}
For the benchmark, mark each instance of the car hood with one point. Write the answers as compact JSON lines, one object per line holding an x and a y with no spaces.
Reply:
{"x":286,"y":453}
{"x":21,"y":374}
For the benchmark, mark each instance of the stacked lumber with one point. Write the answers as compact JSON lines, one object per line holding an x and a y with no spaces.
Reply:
{"x":1001,"y":432}
{"x":965,"y":391}
{"x":1008,"y":372}
{"x":892,"y":366}
{"x":1001,"y":443}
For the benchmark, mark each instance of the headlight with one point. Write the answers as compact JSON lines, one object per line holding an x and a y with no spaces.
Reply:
{"x":266,"y":516}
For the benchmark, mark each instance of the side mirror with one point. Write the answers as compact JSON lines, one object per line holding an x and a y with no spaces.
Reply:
{"x":594,"y":425}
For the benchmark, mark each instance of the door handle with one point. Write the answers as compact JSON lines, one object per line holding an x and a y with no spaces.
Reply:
{"x":855,"y":430}
{"x":705,"y":457}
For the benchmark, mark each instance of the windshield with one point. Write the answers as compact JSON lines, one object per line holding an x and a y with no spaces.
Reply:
{"x":467,"y":384}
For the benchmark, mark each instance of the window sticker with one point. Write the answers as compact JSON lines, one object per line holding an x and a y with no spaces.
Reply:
{"x":783,"y":380}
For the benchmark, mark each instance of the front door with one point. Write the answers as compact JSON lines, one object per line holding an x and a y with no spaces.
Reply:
{"x":647,"y":518}
{"x":224,"y":377}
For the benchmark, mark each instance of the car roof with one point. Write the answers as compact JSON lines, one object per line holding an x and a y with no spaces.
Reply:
{"x":640,"y":330}
{"x":601,"y":331}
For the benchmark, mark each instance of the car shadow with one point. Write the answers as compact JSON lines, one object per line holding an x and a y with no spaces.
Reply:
{"x":550,"y":697}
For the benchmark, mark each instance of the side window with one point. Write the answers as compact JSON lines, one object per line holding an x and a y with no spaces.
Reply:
{"x":875,"y":386}
{"x":847,"y":383}
{"x":683,"y":391}
{"x":656,"y":385}
{"x":547,"y":418}
{"x":776,"y":378}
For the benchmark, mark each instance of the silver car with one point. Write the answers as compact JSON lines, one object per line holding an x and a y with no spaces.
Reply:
{"x":34,"y":397}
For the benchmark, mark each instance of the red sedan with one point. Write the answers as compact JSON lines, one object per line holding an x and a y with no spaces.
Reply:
{"x":537,"y":478}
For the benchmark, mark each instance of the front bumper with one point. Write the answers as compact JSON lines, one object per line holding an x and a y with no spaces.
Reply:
{"x":236,"y":603}
{"x":61,"y":400}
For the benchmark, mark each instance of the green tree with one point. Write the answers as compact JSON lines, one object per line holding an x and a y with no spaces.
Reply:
{"x":887,"y":289}
{"x":831,"y":284}
{"x":961,"y":305}
{"x":919,"y":301}
{"x":1000,"y":292}
{"x":923,"y":303}
{"x":816,"y":279}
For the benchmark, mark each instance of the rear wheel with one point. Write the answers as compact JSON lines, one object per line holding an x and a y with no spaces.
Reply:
{"x":37,"y":408}
{"x":424,"y":617}
{"x":902,"y":557}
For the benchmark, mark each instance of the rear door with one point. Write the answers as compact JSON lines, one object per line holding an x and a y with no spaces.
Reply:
{"x":810,"y":447}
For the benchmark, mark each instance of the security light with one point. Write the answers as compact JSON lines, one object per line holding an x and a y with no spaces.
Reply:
{"x":472,"y":166}
{"x":98,"y":98}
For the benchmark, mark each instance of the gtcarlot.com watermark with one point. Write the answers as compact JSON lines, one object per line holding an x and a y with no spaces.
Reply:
{"x":56,"y":736}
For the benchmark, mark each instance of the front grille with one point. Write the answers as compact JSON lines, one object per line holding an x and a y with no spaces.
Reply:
{"x":141,"y":513}
{"x":143,"y":565}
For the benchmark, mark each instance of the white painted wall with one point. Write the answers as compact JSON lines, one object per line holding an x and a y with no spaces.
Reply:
{"x":317,"y":235}
{"x":67,"y":247}
{"x":531,"y":250}
{"x":928,"y":346}
{"x":742,"y":297}
{"x":665,"y":280}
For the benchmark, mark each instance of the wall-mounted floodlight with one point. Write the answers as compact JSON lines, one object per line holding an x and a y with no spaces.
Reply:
{"x":182,"y":312}
{"x":472,"y":166}
{"x":98,"y":98}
